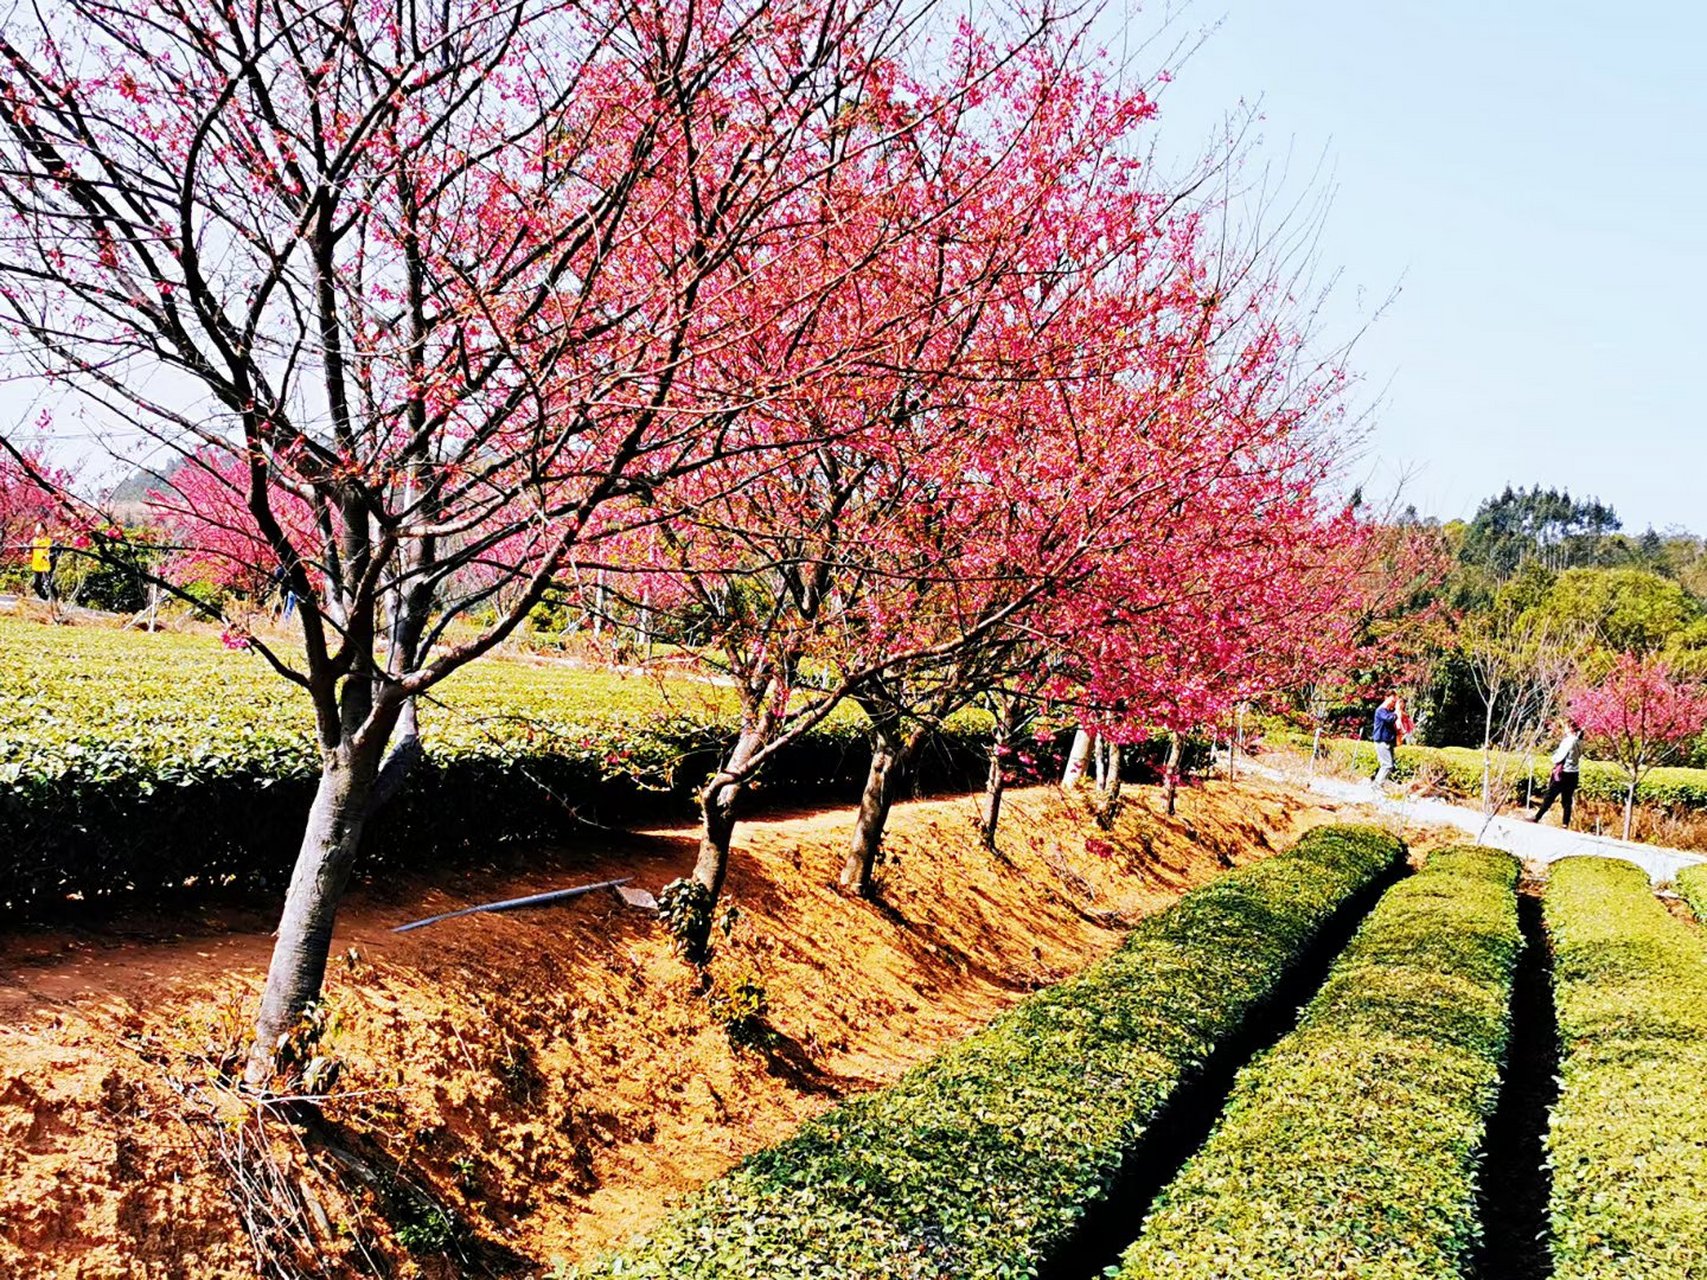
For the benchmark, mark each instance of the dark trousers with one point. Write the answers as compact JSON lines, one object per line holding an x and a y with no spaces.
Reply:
{"x":1564,"y":789}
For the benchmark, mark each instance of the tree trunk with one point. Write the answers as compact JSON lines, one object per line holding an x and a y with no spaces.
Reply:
{"x":717,"y":803}
{"x":716,"y":833}
{"x":1076,"y":758}
{"x":888,"y":764}
{"x":329,"y":844}
{"x":991,"y":813}
{"x":1099,"y":759}
{"x":405,"y":754}
{"x":995,"y":781}
{"x":1488,"y":760}
{"x":1170,"y":770}
{"x":1629,"y":807}
{"x":1108,"y":798}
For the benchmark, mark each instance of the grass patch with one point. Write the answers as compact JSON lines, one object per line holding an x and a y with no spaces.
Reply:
{"x":136,"y":765}
{"x":1457,"y":771}
{"x":1692,"y":884}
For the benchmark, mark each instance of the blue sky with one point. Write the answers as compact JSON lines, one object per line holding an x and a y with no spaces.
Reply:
{"x":1533,"y":179}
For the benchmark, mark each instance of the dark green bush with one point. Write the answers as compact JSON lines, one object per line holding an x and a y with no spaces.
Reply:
{"x":980,"y":1163}
{"x":1627,"y":1146}
{"x":1350,"y":1148}
{"x":93,"y":822}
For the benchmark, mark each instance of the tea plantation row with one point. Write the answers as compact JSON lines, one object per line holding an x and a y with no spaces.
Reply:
{"x":982,"y":1162}
{"x":1458,"y":772}
{"x":1352,"y":1148}
{"x":134,"y":764}
{"x":1627,"y":1147}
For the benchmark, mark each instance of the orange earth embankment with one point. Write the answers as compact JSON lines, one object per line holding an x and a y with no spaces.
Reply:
{"x":553,"y":1077}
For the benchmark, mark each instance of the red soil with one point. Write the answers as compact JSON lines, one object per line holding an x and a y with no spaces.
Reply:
{"x":554,"y":1077}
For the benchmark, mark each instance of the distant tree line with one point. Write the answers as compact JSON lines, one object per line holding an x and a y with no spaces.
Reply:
{"x":1539,"y":569}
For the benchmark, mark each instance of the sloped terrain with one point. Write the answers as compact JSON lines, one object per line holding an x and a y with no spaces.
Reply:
{"x":519,"y":1090}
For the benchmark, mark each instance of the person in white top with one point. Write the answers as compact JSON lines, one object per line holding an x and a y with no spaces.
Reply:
{"x":1567,"y":763}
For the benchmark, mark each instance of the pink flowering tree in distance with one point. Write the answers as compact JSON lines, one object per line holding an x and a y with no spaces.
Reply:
{"x":1261,"y":607}
{"x":1643,"y":713}
{"x":28,"y":484}
{"x":889,"y":557}
{"x":425,"y":297}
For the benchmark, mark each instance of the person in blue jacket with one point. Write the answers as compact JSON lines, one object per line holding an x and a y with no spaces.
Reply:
{"x":1386,"y":735}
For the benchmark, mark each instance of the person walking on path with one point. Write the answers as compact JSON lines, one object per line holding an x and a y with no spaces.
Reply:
{"x":1567,"y":765}
{"x":41,"y":563}
{"x":1388,"y":717}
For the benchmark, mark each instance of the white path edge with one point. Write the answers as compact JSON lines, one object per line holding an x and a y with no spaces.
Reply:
{"x":1530,"y":841}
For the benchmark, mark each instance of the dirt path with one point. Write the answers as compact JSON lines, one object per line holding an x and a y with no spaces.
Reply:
{"x":554,"y":1076}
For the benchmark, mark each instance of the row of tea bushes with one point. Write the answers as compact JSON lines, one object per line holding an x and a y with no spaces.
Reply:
{"x":1350,"y":1149}
{"x":1628,"y":1151}
{"x":1457,"y":771}
{"x":145,"y":766}
{"x":1692,"y":884}
{"x":982,"y":1162}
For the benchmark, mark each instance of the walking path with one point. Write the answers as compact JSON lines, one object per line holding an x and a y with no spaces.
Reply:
{"x":1528,"y":840}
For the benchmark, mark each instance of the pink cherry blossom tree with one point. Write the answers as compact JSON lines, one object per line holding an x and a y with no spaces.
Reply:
{"x":424,"y":294}
{"x":885,"y":563}
{"x":1643,"y":713}
{"x":27,"y":487}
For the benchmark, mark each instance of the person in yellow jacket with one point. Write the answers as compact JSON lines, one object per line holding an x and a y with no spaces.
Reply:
{"x":41,"y":563}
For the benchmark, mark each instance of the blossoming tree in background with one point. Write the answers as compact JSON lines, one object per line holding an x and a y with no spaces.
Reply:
{"x":1644,"y":714}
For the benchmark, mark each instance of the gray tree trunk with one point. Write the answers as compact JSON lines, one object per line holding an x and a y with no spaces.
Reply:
{"x":1108,"y":798}
{"x":995,"y":784}
{"x":329,"y":844}
{"x":1488,"y":760}
{"x":882,"y":781}
{"x":1630,"y":806}
{"x":995,"y":781}
{"x":717,"y":810}
{"x":1076,"y":758}
{"x":1170,"y":771}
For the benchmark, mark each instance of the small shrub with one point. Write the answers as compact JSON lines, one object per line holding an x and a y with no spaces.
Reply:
{"x":1692,"y":884}
{"x":743,"y":1011}
{"x":684,"y":906}
{"x":424,"y":1227}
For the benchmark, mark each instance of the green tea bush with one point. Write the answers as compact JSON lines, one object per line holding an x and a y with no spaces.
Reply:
{"x":1350,"y":1148}
{"x":1627,"y":1145}
{"x":1692,"y":884}
{"x":1458,"y":772}
{"x":982,"y":1162}
{"x":136,"y":765}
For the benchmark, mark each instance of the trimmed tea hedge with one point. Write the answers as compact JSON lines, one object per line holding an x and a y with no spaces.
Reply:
{"x":981,"y":1162}
{"x":139,"y":765}
{"x":1692,"y":884}
{"x":1458,"y":771}
{"x":1628,"y":1149}
{"x":1350,"y":1148}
